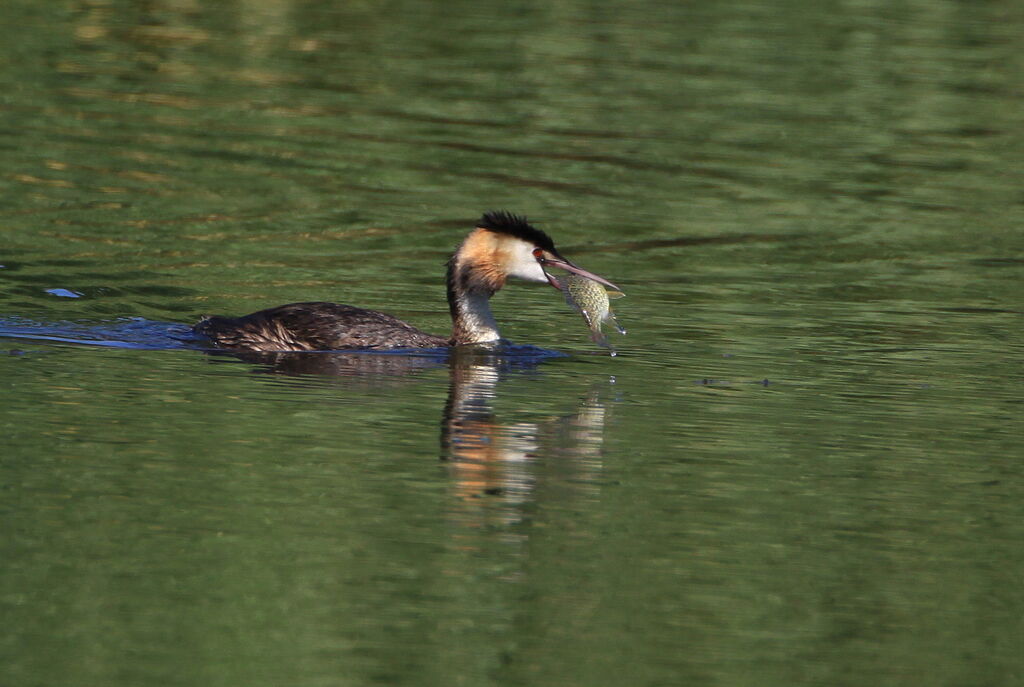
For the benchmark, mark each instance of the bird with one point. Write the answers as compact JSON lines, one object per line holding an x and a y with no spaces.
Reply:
{"x":501,"y":245}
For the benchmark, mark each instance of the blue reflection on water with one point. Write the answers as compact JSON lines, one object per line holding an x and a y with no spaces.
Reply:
{"x":128,"y":332}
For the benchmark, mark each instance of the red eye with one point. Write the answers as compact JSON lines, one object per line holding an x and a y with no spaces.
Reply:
{"x":538,"y":253}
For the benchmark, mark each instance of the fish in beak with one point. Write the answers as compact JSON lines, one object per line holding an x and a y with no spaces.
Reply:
{"x":547,"y":260}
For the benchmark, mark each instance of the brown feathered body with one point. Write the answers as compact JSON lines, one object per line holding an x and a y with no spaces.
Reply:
{"x":502,"y":246}
{"x":315,"y":327}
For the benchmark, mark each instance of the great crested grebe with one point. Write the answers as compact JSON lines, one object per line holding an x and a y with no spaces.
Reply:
{"x":502,"y":245}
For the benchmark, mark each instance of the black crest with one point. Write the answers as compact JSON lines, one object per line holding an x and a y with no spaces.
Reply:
{"x":502,"y":222}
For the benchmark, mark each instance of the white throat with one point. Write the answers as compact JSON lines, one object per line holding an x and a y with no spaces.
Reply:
{"x":477,"y":323}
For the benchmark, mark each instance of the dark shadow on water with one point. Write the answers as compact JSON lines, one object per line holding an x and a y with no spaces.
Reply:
{"x":383,"y":369}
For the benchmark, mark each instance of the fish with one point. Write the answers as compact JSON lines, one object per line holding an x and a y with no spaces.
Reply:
{"x":590,"y":299}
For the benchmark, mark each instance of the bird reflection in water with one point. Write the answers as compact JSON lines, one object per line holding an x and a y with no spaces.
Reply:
{"x":505,"y":460}
{"x":497,"y":466}
{"x":352,"y":369}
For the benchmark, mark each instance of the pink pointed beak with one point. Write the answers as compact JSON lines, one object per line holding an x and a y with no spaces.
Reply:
{"x":564,"y":264}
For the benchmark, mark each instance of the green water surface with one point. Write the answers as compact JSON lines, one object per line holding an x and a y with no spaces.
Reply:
{"x":805,"y":467}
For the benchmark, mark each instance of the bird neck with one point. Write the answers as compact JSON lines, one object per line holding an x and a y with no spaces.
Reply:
{"x":469,"y":298}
